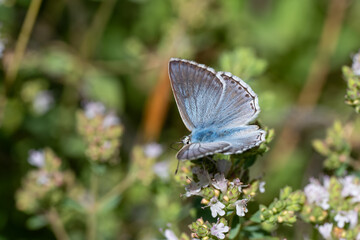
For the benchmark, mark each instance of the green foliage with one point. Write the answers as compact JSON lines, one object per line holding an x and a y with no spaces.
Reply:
{"x":282,"y":210}
{"x":335,"y":148}
{"x":101,"y":182}
{"x":352,"y":96}
{"x":242,"y":62}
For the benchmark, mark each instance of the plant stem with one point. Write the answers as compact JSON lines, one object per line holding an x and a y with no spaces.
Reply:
{"x":23,"y":40}
{"x":56,"y":225}
{"x":117,"y":190}
{"x":92,"y":210}
{"x":309,"y":95}
{"x":97,"y":27}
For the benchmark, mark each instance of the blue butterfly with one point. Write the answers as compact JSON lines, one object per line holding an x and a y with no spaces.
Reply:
{"x":216,"y":107}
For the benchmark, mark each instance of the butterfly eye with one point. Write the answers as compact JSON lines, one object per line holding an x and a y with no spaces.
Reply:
{"x":186,"y":140}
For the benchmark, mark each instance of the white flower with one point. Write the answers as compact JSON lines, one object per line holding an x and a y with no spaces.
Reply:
{"x":353,"y":217}
{"x":350,"y":189}
{"x":192,"y":189}
{"x":218,"y":230}
{"x":318,"y":194}
{"x":219,"y":182}
{"x":36,"y":158}
{"x":2,"y":47}
{"x":153,"y":150}
{"x":107,"y":145}
{"x":43,"y":101}
{"x":325,"y":230}
{"x":356,"y":64}
{"x":358,"y":236}
{"x":2,"y":41}
{"x":343,"y":217}
{"x":110,"y":120}
{"x":170,"y":235}
{"x":161,"y":169}
{"x":216,"y":207}
{"x":237,"y":183}
{"x":93,"y":109}
{"x":43,"y":178}
{"x":203,"y":176}
{"x":262,"y":186}
{"x":223,"y":166}
{"x":241,"y":207}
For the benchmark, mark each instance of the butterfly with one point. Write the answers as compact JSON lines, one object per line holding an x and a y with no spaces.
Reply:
{"x":216,"y":107}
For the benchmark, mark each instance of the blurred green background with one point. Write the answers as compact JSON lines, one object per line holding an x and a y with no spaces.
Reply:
{"x":116,"y":52}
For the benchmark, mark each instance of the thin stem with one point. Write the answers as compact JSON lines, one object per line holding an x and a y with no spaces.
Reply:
{"x":117,"y":190}
{"x":97,"y":27}
{"x":22,"y":41}
{"x":92,"y":211}
{"x":56,"y":225}
{"x":309,"y":95}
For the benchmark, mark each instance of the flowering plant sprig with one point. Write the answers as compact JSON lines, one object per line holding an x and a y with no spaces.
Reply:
{"x":284,"y":209}
{"x":100,"y":130}
{"x":44,"y":186}
{"x":333,"y":206}
{"x":218,"y":183}
{"x":335,"y":148}
{"x":352,"y":77}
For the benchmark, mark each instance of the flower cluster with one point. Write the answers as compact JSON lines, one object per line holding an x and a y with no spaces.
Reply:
{"x":36,"y":93}
{"x":2,"y":41}
{"x":205,"y":230}
{"x":224,"y":197}
{"x":218,"y":193}
{"x":335,"y":148}
{"x":352,"y":77}
{"x":202,"y":230}
{"x":144,"y":166}
{"x":44,"y":185}
{"x":101,"y":131}
{"x":283,"y":210}
{"x":333,"y":206}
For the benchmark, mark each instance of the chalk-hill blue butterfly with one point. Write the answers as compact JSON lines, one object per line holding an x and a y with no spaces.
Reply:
{"x":216,"y":107}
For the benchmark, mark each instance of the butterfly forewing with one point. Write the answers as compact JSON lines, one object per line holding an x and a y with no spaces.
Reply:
{"x":197,"y":91}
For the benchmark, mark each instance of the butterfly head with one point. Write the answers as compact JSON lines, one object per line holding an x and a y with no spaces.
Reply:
{"x":186,"y":140}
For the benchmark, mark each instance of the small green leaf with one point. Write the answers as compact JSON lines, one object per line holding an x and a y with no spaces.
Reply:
{"x":256,"y":217}
{"x":36,"y":222}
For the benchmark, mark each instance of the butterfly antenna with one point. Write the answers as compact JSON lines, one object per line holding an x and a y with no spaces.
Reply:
{"x":172,"y":145}
{"x":177,"y":167}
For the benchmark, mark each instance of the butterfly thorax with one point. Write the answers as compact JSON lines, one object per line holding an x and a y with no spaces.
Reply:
{"x":214,"y":134}
{"x":204,"y":135}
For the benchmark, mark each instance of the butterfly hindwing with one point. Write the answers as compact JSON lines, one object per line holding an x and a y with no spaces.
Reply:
{"x":200,"y":149}
{"x":248,"y":137}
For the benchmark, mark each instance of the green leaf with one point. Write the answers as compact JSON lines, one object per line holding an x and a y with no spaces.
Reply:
{"x":256,"y":217}
{"x":13,"y":115}
{"x":110,"y":204}
{"x":36,"y":222}
{"x":235,"y":228}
